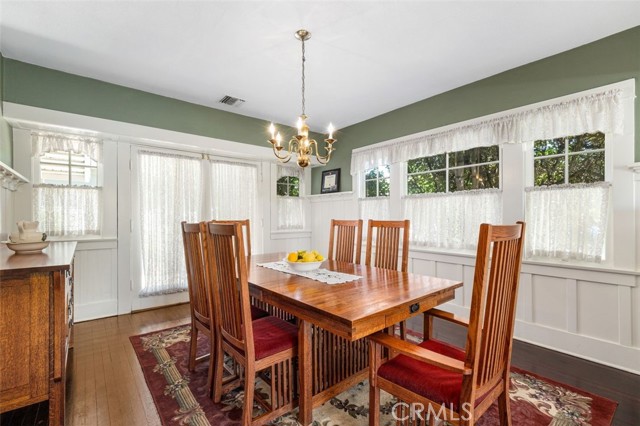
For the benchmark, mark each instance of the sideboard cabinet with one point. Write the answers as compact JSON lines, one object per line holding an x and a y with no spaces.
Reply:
{"x":36,"y":323}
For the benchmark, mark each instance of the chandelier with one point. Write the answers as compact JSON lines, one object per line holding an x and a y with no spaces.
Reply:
{"x":300,"y":144}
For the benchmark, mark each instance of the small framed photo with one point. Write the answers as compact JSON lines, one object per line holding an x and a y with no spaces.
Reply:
{"x":330,"y":181}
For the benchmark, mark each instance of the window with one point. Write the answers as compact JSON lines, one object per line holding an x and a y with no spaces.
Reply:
{"x":568,"y":171}
{"x":67,"y":168}
{"x":67,"y":193}
{"x":291,"y":206}
{"x":476,"y":168}
{"x":376,"y":182}
{"x":288,"y":186}
{"x":574,"y":159}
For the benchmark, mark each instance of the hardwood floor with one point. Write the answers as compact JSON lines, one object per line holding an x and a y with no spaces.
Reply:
{"x":106,"y":386}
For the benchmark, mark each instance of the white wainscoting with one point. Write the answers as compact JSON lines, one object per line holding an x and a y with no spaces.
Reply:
{"x":592,"y":313}
{"x":96,"y":280}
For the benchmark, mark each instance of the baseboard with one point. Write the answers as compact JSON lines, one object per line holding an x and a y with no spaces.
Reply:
{"x":95,"y":310}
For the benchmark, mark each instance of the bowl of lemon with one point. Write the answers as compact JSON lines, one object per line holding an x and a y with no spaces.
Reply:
{"x":304,"y":260}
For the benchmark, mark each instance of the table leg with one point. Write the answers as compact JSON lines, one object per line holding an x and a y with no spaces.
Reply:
{"x":305,"y":369}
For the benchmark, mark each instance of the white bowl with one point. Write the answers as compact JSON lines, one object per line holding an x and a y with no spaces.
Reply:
{"x":27,"y":248}
{"x":303,"y":266}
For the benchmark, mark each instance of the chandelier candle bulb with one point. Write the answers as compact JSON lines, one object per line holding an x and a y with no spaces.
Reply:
{"x":272,"y":129}
{"x":331,"y":131}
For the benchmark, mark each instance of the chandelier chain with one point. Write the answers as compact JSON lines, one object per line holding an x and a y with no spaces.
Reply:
{"x":303,"y":61}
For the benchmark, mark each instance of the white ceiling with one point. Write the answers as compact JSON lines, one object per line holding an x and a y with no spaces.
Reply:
{"x":364,"y":58}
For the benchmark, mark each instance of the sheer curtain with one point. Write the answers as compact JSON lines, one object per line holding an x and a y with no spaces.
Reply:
{"x":234,"y":191}
{"x":375,"y":208}
{"x":586,"y":114}
{"x":42,"y":143}
{"x":68,"y":210}
{"x":567,"y":221}
{"x":291,"y":212}
{"x":451,"y":220}
{"x":169,"y":191}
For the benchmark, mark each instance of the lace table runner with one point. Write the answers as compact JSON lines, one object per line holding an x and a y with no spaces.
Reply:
{"x":322,"y":275}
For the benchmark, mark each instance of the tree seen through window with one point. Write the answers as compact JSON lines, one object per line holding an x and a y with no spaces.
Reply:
{"x":288,"y":186}
{"x":376,"y":182}
{"x":569,"y":160}
{"x":476,"y":168}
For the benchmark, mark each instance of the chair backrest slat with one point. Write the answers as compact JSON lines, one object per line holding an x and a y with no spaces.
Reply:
{"x":246,"y":226}
{"x":493,"y":305}
{"x":196,"y":280}
{"x":387,"y":238}
{"x":348,"y":240}
{"x":227,"y":268}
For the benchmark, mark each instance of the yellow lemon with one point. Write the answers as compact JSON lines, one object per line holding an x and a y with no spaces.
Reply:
{"x":319,"y":258}
{"x":292,"y":257}
{"x":308,"y":257}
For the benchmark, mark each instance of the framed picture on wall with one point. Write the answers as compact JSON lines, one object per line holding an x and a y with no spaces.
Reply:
{"x":330,"y":181}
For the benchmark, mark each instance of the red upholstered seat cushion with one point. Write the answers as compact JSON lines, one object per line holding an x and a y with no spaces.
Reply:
{"x":257,"y":313}
{"x":438,"y":385}
{"x":272,"y":335}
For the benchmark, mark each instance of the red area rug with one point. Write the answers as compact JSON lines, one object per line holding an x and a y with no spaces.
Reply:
{"x":181,"y":397}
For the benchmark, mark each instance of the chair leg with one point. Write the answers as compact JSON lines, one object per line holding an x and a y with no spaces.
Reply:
{"x":213,"y":365}
{"x":375,"y":352}
{"x":218,"y":371}
{"x":403,"y":330}
{"x":193,"y":347}
{"x":504,"y":408}
{"x":249,"y":388}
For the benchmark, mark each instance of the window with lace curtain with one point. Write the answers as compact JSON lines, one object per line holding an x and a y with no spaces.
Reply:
{"x":291,"y":212}
{"x":67,"y":193}
{"x":374,"y":194}
{"x":567,"y":208}
{"x":450,"y":194}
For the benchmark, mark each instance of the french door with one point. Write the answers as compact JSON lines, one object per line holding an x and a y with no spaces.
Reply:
{"x":168,"y":187}
{"x":166,"y":190}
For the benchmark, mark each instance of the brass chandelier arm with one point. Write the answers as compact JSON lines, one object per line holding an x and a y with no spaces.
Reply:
{"x":322,"y":159}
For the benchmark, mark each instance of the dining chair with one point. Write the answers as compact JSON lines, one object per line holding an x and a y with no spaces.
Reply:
{"x":346,"y":236}
{"x":387,"y":246}
{"x":267,"y":343}
{"x":460,"y":385}
{"x":194,"y":238}
{"x":200,"y":302}
{"x":256,"y":303}
{"x":387,"y":241}
{"x":246,"y":226}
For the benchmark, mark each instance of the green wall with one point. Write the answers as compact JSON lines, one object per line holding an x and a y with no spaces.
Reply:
{"x":41,"y":87}
{"x":6,"y":135}
{"x":602,"y":62}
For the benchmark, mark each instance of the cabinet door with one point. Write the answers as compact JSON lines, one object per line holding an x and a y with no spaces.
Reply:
{"x":24,"y":340}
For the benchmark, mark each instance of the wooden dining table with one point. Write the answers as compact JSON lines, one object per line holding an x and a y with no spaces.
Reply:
{"x":335,"y":319}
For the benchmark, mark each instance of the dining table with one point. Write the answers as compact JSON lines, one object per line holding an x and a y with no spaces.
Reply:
{"x":335,"y":319}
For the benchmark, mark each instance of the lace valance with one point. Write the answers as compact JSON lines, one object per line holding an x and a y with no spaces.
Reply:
{"x":596,"y":112}
{"x":42,"y":143}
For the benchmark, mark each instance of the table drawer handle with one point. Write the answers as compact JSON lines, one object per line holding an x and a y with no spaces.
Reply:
{"x":414,"y":308}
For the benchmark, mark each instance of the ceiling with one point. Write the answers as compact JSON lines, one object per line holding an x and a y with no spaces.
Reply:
{"x":364,"y":58}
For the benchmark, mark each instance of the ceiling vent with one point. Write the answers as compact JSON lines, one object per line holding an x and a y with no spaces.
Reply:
{"x":231,"y":101}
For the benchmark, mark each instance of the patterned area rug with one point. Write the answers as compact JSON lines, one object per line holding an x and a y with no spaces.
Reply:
{"x":181,"y":397}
